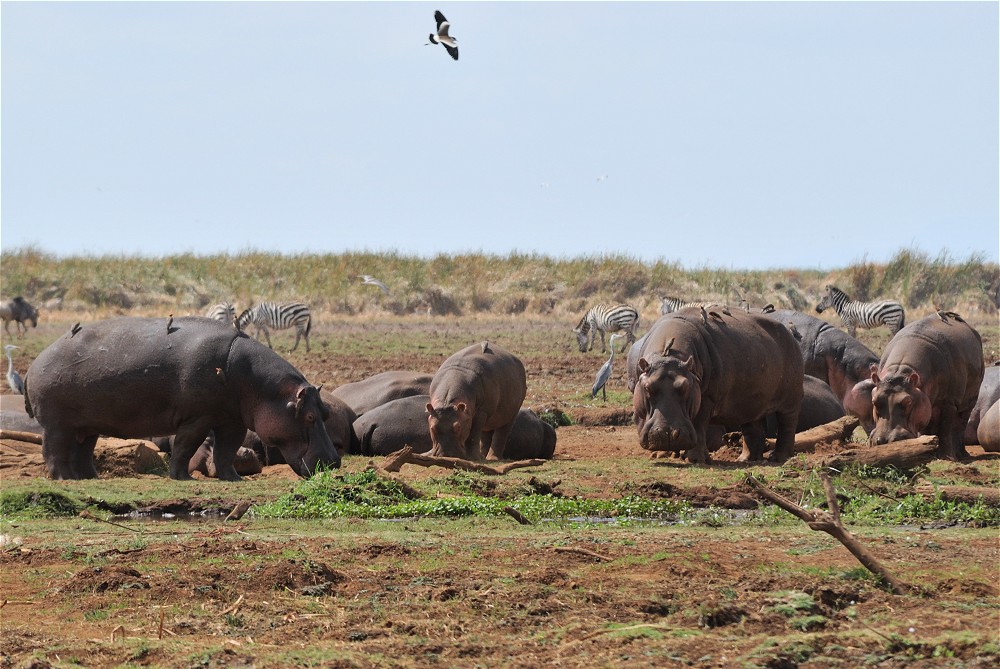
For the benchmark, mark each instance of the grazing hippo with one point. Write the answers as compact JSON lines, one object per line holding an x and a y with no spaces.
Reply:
{"x":989,"y":393}
{"x":363,"y":396}
{"x":835,"y":357}
{"x":132,"y":377}
{"x":14,"y":417}
{"x":403,"y":422}
{"x":989,"y":429}
{"x":475,"y":396}
{"x":697,"y":367}
{"x":338,"y":422}
{"x":927,"y":382}
{"x":203,"y":461}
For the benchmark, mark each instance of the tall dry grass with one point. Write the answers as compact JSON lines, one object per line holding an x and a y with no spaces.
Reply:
{"x":471,"y":284}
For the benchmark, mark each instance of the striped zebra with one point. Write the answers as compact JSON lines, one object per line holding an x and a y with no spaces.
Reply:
{"x":606,"y":318}
{"x":223,"y":311}
{"x":268,"y":315}
{"x":863,"y":314}
{"x":669,"y":305}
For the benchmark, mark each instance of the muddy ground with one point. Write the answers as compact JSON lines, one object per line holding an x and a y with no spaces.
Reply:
{"x":490,"y":592}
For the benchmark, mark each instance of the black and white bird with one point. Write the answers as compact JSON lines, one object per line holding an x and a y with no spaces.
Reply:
{"x":13,"y":378}
{"x":368,"y":279}
{"x":442,"y":37}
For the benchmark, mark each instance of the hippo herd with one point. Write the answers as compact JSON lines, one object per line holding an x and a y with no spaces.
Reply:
{"x":212,"y":395}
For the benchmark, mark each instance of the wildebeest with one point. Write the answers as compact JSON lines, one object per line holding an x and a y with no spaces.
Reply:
{"x":19,"y":311}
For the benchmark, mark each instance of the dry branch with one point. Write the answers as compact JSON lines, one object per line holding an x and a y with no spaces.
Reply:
{"x":17,"y":435}
{"x":955,"y":493}
{"x":839,"y":430}
{"x":582,"y":551}
{"x":516,"y":515}
{"x":395,"y":461}
{"x":829,"y":522}
{"x":905,"y":454}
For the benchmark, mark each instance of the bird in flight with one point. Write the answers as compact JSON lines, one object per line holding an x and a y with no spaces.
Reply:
{"x":442,"y":37}
{"x":372,"y":281}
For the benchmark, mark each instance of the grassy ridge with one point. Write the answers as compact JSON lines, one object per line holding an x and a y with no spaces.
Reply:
{"x":474,"y":283}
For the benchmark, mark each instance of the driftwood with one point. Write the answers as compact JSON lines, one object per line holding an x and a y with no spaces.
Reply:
{"x":394,"y":462}
{"x":516,"y":515}
{"x":834,"y":431}
{"x":956,"y":493}
{"x":582,"y":551}
{"x":17,"y":435}
{"x":829,"y":522}
{"x":905,"y":454}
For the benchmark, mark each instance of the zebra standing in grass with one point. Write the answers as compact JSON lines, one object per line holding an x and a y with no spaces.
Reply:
{"x":863,"y":314}
{"x":223,"y":311}
{"x":606,"y":318}
{"x":268,"y":315}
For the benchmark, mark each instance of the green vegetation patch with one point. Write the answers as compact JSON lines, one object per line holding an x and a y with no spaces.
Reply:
{"x":46,"y":504}
{"x":367,"y":495}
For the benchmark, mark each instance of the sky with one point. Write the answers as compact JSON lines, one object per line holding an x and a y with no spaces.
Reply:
{"x":736,"y":135}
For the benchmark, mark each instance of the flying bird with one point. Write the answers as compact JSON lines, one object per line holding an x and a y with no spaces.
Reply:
{"x":442,"y":37}
{"x":368,"y":279}
{"x":13,"y":378}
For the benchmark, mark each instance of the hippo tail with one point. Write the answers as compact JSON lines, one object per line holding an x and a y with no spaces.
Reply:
{"x":27,"y":403}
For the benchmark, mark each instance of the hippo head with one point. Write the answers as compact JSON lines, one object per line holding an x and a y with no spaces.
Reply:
{"x":667,"y":397}
{"x":858,"y":402}
{"x":901,"y":409}
{"x":450,"y":426}
{"x":295,"y":427}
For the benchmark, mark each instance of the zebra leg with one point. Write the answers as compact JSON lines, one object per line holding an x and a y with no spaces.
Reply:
{"x":604,"y":347}
{"x":852,"y":328}
{"x":267,"y":335}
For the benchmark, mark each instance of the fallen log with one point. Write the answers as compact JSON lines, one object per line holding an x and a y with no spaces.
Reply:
{"x":406,"y":456}
{"x":957,"y":493}
{"x":829,"y":522}
{"x":839,"y":430}
{"x":409,"y":491}
{"x":17,"y":435}
{"x":905,"y":454}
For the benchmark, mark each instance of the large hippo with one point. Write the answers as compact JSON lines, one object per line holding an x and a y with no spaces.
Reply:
{"x":363,"y":396}
{"x":135,"y":377}
{"x":836,"y":358}
{"x":927,"y":382}
{"x":475,"y":397}
{"x":697,"y":367}
{"x":403,"y":422}
{"x":989,"y":393}
{"x":989,"y":429}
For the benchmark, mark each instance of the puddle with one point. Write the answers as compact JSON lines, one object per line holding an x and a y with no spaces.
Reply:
{"x":206,"y":516}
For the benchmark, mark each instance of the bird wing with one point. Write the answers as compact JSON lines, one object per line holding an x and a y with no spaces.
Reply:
{"x":442,"y":23}
{"x":452,"y":51}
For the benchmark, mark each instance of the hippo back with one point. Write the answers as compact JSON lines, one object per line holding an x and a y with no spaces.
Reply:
{"x":989,"y":393}
{"x":363,"y":396}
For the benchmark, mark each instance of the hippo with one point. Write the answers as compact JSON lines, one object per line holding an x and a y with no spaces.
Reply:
{"x":697,"y":367}
{"x":927,"y":382}
{"x":363,"y":396}
{"x":989,"y":393}
{"x":989,"y":429}
{"x":403,"y":422}
{"x":819,"y":407}
{"x":246,"y":461}
{"x":131,"y":377}
{"x":338,"y":422}
{"x":475,"y":396}
{"x":836,"y":358}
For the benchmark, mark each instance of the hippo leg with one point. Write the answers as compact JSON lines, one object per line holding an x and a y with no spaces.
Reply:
{"x":473,"y":444}
{"x":58,"y":447}
{"x":754,"y":441}
{"x":83,"y":459}
{"x":228,"y":440}
{"x":188,"y":439}
{"x":498,"y":442}
{"x":784,"y":446}
{"x":951,"y":444}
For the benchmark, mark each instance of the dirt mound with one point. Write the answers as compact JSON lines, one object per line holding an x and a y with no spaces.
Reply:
{"x":731,"y":497}
{"x":106,"y":579}
{"x":305,"y":577}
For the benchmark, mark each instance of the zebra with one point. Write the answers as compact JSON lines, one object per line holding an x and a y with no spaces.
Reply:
{"x":223,"y":311}
{"x":606,"y":318}
{"x":19,"y":311}
{"x":863,"y":314}
{"x":279,"y":317}
{"x":669,"y":305}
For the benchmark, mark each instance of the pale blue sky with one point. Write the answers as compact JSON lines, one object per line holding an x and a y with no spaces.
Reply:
{"x":739,"y":135}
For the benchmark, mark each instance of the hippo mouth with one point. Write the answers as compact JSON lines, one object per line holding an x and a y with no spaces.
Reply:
{"x":655,"y":435}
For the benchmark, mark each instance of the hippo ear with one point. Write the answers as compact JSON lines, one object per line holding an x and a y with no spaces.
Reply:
{"x":915,"y":380}
{"x":689,"y":363}
{"x":430,"y":409}
{"x":461,"y":407}
{"x":643,"y":365}
{"x":873,"y":370}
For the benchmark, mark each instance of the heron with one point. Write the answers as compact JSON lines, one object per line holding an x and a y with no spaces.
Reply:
{"x":604,"y":373}
{"x":13,"y":378}
{"x":368,"y":279}
{"x":442,"y":37}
